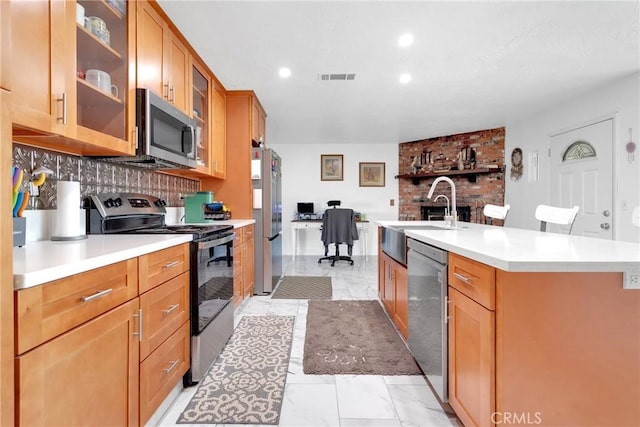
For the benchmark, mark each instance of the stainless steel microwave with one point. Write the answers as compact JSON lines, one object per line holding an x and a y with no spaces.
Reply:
{"x":166,"y":135}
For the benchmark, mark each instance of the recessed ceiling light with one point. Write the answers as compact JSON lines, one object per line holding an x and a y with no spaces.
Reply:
{"x":405,"y":40}
{"x":284,"y":72}
{"x":405,"y":78}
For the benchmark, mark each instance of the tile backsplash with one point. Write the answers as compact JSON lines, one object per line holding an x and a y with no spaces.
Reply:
{"x":95,"y":177}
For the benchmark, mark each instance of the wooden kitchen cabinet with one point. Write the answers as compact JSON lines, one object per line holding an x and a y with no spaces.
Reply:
{"x":163,"y":61}
{"x":393,"y":281}
{"x":165,"y":344}
{"x":236,"y":189}
{"x":472,"y":340}
{"x":243,"y":264}
{"x":258,"y":123}
{"x":59,"y":382}
{"x":55,"y":106}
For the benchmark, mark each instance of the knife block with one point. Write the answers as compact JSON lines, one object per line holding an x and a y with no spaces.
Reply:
{"x":19,"y":231}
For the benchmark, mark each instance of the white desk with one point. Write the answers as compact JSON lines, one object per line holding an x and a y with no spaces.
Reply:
{"x":301,"y":224}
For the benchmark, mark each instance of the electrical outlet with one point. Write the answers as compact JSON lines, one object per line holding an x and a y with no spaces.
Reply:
{"x":392,"y":202}
{"x":631,"y":280}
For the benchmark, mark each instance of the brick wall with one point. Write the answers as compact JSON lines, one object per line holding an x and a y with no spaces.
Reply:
{"x":488,"y":188}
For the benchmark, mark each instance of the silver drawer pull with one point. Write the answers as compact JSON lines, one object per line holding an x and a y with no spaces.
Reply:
{"x":463,"y":278}
{"x":97,"y":295}
{"x":171,"y":308}
{"x":171,"y":366}
{"x":171,"y":264}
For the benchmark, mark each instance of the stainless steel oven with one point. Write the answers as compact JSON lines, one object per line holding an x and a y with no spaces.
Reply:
{"x":427,"y":270}
{"x":211,"y":301}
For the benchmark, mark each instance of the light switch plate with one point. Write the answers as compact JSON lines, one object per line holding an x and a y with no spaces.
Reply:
{"x":630,"y":280}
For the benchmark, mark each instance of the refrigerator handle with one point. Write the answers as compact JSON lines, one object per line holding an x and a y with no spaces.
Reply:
{"x":272,"y":238}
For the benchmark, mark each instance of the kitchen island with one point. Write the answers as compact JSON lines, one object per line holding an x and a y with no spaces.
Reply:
{"x":541,"y":328}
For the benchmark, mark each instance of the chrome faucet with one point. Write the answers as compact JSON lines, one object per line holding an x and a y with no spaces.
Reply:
{"x":454,"y":212}
{"x":446,"y":211}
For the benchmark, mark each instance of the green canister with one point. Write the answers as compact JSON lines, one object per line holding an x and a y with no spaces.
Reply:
{"x":194,"y":206}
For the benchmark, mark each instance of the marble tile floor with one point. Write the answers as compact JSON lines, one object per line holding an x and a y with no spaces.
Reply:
{"x":337,"y":400}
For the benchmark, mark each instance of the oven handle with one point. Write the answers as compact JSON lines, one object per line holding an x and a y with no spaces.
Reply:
{"x":217,"y":242}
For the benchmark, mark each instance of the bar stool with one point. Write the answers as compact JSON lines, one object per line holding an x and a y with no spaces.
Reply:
{"x":492,"y":212}
{"x":554,"y":215}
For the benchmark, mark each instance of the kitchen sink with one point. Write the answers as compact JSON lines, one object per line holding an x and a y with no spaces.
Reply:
{"x":394,"y":241}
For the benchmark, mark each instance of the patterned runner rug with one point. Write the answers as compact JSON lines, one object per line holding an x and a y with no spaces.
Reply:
{"x":304,"y":287}
{"x":354,"y":337}
{"x":245,"y":385}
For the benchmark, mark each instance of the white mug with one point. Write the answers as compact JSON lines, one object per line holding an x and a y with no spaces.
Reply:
{"x":101,"y":80}
{"x":80,"y":14}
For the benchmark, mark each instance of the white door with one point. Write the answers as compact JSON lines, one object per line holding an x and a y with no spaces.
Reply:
{"x":582,"y":174}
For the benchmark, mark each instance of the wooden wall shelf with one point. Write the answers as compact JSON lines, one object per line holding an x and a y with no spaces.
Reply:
{"x":470,"y":174}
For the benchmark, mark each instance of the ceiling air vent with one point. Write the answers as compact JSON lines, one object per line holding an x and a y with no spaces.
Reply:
{"x":344,"y":76}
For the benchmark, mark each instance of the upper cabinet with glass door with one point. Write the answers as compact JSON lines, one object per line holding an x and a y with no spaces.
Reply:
{"x":105,"y":96}
{"x":202,"y":117}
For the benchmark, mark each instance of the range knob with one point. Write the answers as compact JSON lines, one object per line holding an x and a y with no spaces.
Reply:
{"x":160,"y":203}
{"x":117,"y":202}
{"x":109,"y":203}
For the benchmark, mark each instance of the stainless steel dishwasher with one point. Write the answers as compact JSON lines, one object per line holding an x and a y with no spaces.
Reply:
{"x":427,"y":269}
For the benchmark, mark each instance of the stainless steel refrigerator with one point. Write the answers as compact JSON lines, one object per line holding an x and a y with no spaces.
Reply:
{"x":266,"y":176}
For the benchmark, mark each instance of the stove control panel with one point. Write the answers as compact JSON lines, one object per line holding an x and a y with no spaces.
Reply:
{"x":116,"y":204}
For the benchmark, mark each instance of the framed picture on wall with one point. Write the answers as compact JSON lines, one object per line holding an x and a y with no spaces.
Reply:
{"x":331,"y":167}
{"x":371,"y":174}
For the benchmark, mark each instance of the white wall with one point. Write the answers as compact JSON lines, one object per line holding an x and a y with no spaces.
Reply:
{"x":301,"y":183}
{"x":620,"y":100}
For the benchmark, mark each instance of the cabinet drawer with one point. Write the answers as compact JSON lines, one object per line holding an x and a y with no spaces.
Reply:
{"x":46,"y":311}
{"x":247,"y":233}
{"x":158,"y":267}
{"x":164,"y":309}
{"x":238,"y":240}
{"x":474,"y":279}
{"x":162,"y":370}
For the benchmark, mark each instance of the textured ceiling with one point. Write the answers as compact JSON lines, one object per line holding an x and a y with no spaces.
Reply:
{"x":474,"y":65}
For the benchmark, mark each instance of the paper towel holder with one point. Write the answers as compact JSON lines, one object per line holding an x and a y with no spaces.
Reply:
{"x":72,"y":237}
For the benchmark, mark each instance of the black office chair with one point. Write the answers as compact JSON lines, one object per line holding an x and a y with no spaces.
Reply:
{"x":338,"y":227}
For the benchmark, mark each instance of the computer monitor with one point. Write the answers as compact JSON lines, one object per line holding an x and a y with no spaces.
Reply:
{"x":305,"y":208}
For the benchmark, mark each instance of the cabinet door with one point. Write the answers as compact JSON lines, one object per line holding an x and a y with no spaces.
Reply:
{"x":258,"y":123}
{"x":471,"y":360}
{"x":238,"y":287}
{"x":151,"y":57}
{"x":401,"y":316}
{"x":105,"y":115}
{"x":389,"y":288}
{"x":219,"y":132}
{"x":42,"y":58}
{"x":179,"y":75}
{"x":62,"y":382}
{"x":201,"y":101}
{"x":248,"y":269}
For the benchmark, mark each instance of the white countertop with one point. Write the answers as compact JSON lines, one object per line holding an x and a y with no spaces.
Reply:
{"x":514,"y":249}
{"x":43,"y":261}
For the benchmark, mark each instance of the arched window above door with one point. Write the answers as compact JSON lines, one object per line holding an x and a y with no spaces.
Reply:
{"x":579,"y":150}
